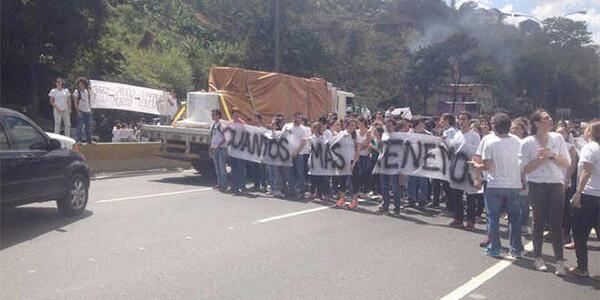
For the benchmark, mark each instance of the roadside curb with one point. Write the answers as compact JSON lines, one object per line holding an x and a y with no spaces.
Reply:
{"x":104,"y":175}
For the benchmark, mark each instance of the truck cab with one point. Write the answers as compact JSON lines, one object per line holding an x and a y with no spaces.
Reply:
{"x":343,"y":103}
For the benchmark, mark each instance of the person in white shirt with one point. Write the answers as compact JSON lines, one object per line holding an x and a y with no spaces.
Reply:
{"x":218,"y":150}
{"x":467,"y":141}
{"x":449,"y":132}
{"x":544,"y":157}
{"x":172,"y":105}
{"x":361,"y":174}
{"x":586,"y":200}
{"x":519,"y":129}
{"x":82,"y":98}
{"x":570,"y":182}
{"x":340,"y":182}
{"x":418,"y":187}
{"x":500,"y":159}
{"x":299,"y":140}
{"x":60,"y":99}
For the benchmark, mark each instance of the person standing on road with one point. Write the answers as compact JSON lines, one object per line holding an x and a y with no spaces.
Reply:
{"x":256,"y":171}
{"x":570,"y":186}
{"x":448,"y":124}
{"x":544,"y":157}
{"x":363,"y":138}
{"x":318,"y":183}
{"x":238,"y":166}
{"x":60,"y":99}
{"x":299,"y":140}
{"x":275,"y":173}
{"x":467,"y":140}
{"x":82,"y":96}
{"x":519,"y":129}
{"x":418,"y":187}
{"x":586,"y":200}
{"x":500,"y":159}
{"x":218,"y":149}
{"x":389,"y":183}
{"x":342,"y":183}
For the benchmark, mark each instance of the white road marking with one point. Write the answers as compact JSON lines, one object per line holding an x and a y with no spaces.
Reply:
{"x":152,"y":195}
{"x":480,"y":279}
{"x":302,"y":212}
{"x":306,"y":211}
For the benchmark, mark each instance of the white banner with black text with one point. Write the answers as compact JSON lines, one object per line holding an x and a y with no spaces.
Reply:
{"x":407,"y":153}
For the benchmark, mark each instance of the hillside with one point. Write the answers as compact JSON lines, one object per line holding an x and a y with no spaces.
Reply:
{"x":386,"y":52}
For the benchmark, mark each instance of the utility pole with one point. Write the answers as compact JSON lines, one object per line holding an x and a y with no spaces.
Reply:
{"x":277,"y":35}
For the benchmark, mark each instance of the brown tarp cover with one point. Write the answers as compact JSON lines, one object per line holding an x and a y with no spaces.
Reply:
{"x":270,"y":93}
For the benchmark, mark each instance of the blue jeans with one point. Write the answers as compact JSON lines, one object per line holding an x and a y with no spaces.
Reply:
{"x":390,"y":182}
{"x":274,"y":178}
{"x":418,"y":189}
{"x":495,"y":200}
{"x":238,"y":173}
{"x":219,"y":159}
{"x":524,"y":210}
{"x":295,"y":175}
{"x":256,"y":173}
{"x":365,"y":171}
{"x":84,"y":121}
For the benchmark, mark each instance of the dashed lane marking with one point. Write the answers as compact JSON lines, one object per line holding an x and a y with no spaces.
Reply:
{"x":480,"y":279}
{"x":152,"y":195}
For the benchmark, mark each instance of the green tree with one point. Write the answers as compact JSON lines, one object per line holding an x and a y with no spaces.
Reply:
{"x":45,"y":39}
{"x":426,"y":68}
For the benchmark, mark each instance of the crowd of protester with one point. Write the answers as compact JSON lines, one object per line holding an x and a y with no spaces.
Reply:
{"x":73,"y":109}
{"x":127,"y":132}
{"x":540,"y":175}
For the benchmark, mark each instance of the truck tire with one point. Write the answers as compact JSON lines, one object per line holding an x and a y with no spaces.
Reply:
{"x":203,"y":166}
{"x":76,"y":196}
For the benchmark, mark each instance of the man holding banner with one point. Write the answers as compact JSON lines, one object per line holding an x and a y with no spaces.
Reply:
{"x":467,"y":141}
{"x":218,"y":152}
{"x":298,"y":141}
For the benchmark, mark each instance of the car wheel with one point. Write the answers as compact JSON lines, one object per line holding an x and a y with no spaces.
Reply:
{"x":76,"y":196}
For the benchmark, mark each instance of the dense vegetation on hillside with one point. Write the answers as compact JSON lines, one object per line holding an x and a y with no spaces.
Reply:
{"x":384,"y":51}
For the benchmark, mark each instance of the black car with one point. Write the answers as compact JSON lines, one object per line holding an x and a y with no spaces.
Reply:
{"x":34,"y":168}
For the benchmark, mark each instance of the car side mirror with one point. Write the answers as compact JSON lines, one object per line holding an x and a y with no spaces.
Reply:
{"x":54,"y":144}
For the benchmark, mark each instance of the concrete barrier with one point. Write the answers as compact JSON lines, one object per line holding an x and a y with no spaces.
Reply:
{"x":122,"y":157}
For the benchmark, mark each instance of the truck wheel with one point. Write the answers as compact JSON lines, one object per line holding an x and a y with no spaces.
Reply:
{"x":203,"y":166}
{"x":76,"y":196}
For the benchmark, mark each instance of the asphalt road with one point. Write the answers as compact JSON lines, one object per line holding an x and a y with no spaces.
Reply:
{"x":169,"y":236}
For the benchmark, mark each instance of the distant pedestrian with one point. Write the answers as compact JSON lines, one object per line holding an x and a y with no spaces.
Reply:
{"x":389,"y":183}
{"x":298,"y":135}
{"x":82,"y":97}
{"x":218,"y":150}
{"x":466,"y":140}
{"x":60,"y":99}
{"x":238,"y":165}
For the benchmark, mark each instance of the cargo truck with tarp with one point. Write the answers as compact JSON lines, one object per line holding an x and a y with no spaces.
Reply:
{"x":188,"y":136}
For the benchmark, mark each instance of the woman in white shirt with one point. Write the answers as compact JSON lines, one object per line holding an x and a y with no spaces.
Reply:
{"x":340,"y":182}
{"x":544,"y":158}
{"x":60,"y":99}
{"x":361,"y":175}
{"x":586,"y":201}
{"x":82,"y":97}
{"x":570,"y":182}
{"x":519,"y":129}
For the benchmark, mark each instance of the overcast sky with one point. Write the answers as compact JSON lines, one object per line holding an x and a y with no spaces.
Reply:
{"x":542,"y":9}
